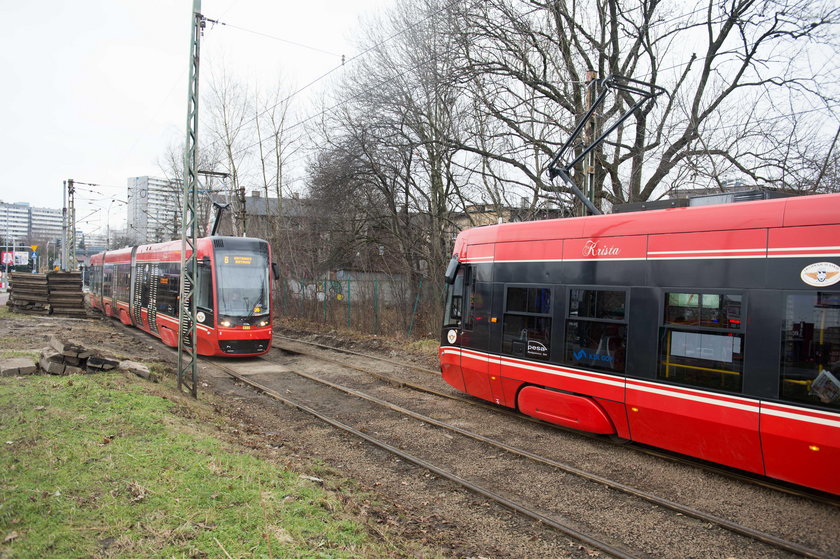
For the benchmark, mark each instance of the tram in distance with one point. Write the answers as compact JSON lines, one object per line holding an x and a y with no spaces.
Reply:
{"x":710,"y":331}
{"x":140,"y":285}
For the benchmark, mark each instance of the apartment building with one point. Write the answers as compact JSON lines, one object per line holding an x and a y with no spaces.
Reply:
{"x":154,"y":209}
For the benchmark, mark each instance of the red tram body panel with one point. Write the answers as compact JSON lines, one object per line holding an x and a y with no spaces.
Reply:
{"x":140,"y":286}
{"x":711,"y":331}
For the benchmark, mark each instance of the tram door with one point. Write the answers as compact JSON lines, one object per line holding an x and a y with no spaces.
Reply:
{"x":466,"y":326}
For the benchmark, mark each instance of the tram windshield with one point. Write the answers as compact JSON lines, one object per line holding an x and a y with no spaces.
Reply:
{"x":243,"y":283}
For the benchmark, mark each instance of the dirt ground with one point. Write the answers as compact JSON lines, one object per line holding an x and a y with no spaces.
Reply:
{"x":409,"y":507}
{"x":406,"y":505}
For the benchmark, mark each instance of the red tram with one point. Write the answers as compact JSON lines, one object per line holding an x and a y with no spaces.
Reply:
{"x":140,"y":286}
{"x":711,"y":331}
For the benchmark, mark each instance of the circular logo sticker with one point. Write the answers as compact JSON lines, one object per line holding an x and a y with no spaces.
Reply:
{"x":200,"y":316}
{"x":820,"y":274}
{"x":451,"y":336}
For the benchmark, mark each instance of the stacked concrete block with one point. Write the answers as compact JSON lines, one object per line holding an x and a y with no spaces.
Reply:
{"x":68,"y":357}
{"x":29,"y":293}
{"x":65,"y":294}
{"x":96,"y":364}
{"x":17,"y":366}
{"x":54,"y":363}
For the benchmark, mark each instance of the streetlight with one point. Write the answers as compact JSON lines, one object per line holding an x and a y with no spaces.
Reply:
{"x":108,"y":222}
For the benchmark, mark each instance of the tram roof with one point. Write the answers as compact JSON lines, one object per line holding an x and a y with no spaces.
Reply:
{"x":784,"y":212}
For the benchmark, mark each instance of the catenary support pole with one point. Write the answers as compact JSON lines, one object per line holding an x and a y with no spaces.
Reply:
{"x":64,"y":227}
{"x":187,"y":340}
{"x":71,"y":226}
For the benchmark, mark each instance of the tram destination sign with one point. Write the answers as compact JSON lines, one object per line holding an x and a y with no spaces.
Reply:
{"x":238,"y":260}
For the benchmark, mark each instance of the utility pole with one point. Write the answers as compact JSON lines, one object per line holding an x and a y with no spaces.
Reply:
{"x":71,"y":226}
{"x":187,"y":357}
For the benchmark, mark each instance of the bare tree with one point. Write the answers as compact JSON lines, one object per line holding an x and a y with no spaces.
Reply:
{"x":527,"y":61}
{"x":171,"y":164}
{"x":229,"y":109}
{"x":396,"y":110}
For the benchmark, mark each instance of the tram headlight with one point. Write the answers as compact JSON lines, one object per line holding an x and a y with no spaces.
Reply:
{"x":225,"y":323}
{"x":263,"y":323}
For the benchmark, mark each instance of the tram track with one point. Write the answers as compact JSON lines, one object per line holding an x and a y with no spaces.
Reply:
{"x":529,"y":512}
{"x":536,"y":512}
{"x":659,"y":453}
{"x":525,"y":509}
{"x":734,"y":527}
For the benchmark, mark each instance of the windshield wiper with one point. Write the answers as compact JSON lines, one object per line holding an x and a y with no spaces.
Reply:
{"x":259,"y":303}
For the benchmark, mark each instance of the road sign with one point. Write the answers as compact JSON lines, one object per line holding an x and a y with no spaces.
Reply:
{"x":33,"y":247}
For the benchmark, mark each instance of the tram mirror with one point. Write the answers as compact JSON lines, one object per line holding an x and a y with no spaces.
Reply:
{"x":275,"y":271}
{"x":449,"y":277}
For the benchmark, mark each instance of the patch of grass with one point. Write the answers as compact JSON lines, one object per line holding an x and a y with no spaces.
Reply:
{"x":99,"y":465}
{"x":10,"y":341}
{"x":426,"y":345}
{"x":8,"y":353}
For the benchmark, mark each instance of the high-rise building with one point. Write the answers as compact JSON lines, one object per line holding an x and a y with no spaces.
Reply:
{"x":14,"y":221}
{"x":25,"y":224}
{"x":46,"y":224}
{"x":154,"y":209}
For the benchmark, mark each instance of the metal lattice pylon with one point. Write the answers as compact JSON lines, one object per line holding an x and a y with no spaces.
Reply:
{"x":71,"y":226}
{"x":187,"y":357}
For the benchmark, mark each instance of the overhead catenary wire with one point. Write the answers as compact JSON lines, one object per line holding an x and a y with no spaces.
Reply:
{"x":276,"y":38}
{"x":332,"y":108}
{"x":346,"y":61}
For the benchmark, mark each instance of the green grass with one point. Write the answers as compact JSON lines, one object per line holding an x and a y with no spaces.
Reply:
{"x":99,"y":465}
{"x":425,"y":345}
{"x":8,"y":353}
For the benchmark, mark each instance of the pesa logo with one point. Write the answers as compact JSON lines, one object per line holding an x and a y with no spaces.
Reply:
{"x":820,"y":274}
{"x":537,"y":348}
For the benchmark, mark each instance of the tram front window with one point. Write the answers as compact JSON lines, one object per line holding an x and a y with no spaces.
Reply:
{"x":243,"y":285}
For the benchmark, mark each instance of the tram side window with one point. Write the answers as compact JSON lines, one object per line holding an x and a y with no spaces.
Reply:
{"x":702,"y":340}
{"x":527,"y":322}
{"x":107,"y":279}
{"x":122,"y":273}
{"x":454,"y":301}
{"x":596,"y":329}
{"x":94,"y":279}
{"x":205,"y":287}
{"x":169,"y":281}
{"x":811,"y":349}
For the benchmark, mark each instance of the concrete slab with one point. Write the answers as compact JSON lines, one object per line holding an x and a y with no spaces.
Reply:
{"x":15,"y":366}
{"x":248,"y":368}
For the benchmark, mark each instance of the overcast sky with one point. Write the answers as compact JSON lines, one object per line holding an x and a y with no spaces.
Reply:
{"x":95,"y":90}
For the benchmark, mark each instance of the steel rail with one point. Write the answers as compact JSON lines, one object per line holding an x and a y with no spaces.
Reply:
{"x":650,"y":451}
{"x":530,"y":513}
{"x":806,"y":552}
{"x":734,"y":527}
{"x":367,"y":355}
